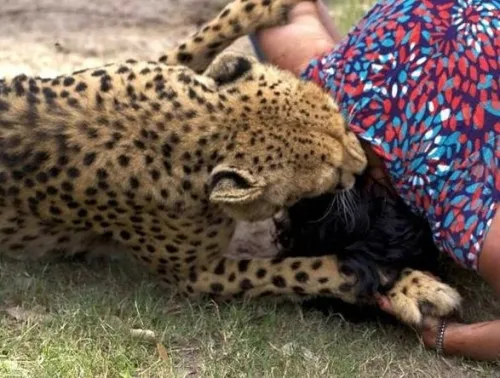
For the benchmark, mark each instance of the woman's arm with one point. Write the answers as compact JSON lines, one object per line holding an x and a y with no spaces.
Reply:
{"x":480,"y":341}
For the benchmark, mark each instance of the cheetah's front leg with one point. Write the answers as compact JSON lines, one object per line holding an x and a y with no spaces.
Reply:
{"x":289,"y":276}
{"x":414,"y":295}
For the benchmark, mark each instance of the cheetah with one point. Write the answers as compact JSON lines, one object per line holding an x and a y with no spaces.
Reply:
{"x":162,"y":158}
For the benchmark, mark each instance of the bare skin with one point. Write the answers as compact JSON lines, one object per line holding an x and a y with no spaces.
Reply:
{"x":311,"y":33}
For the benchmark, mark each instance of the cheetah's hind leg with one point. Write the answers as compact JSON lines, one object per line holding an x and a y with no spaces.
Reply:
{"x":237,"y":19}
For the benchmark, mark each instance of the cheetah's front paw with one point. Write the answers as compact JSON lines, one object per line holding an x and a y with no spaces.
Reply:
{"x":416,"y":295}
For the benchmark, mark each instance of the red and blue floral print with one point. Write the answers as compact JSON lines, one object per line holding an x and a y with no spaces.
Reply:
{"x":420,"y":81}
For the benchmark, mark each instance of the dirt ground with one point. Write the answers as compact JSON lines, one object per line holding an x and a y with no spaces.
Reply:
{"x":49,"y":37}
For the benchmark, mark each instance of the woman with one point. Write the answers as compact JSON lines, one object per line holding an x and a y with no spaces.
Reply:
{"x":419,"y":82}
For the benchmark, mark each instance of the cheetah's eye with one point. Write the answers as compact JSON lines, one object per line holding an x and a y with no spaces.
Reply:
{"x":236,"y":186}
{"x":229,"y":179}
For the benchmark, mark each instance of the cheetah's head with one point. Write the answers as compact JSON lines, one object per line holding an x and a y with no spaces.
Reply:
{"x":290,"y":142}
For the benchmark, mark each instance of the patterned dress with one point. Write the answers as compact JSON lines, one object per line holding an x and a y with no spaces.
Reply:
{"x":420,"y":81}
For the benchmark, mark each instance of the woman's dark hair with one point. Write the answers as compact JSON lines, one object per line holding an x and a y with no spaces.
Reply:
{"x":369,"y":230}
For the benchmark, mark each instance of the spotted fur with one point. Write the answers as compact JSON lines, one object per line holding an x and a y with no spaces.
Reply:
{"x":160,"y":158}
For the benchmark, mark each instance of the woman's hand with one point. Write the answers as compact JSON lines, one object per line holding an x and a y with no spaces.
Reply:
{"x":430,"y":325}
{"x":308,"y":34}
{"x":428,"y":330}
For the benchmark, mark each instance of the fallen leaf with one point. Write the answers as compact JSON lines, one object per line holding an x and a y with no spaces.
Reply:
{"x":145,"y":334}
{"x":308,"y":354}
{"x":162,"y":352}
{"x":288,"y":349}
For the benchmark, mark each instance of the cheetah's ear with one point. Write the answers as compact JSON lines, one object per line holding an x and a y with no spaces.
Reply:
{"x":228,"y":68}
{"x":228,"y":185}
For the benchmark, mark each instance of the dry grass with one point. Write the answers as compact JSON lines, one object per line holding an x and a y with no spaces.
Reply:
{"x":73,"y":320}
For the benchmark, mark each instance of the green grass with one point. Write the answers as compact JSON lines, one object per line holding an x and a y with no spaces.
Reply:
{"x":76,"y":320}
{"x":73,"y":320}
{"x":345,"y":13}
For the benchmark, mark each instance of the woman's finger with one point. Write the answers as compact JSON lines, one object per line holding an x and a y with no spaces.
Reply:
{"x":384,"y":303}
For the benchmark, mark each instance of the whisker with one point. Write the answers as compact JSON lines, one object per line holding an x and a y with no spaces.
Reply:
{"x":348,"y":205}
{"x":327,"y":213}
